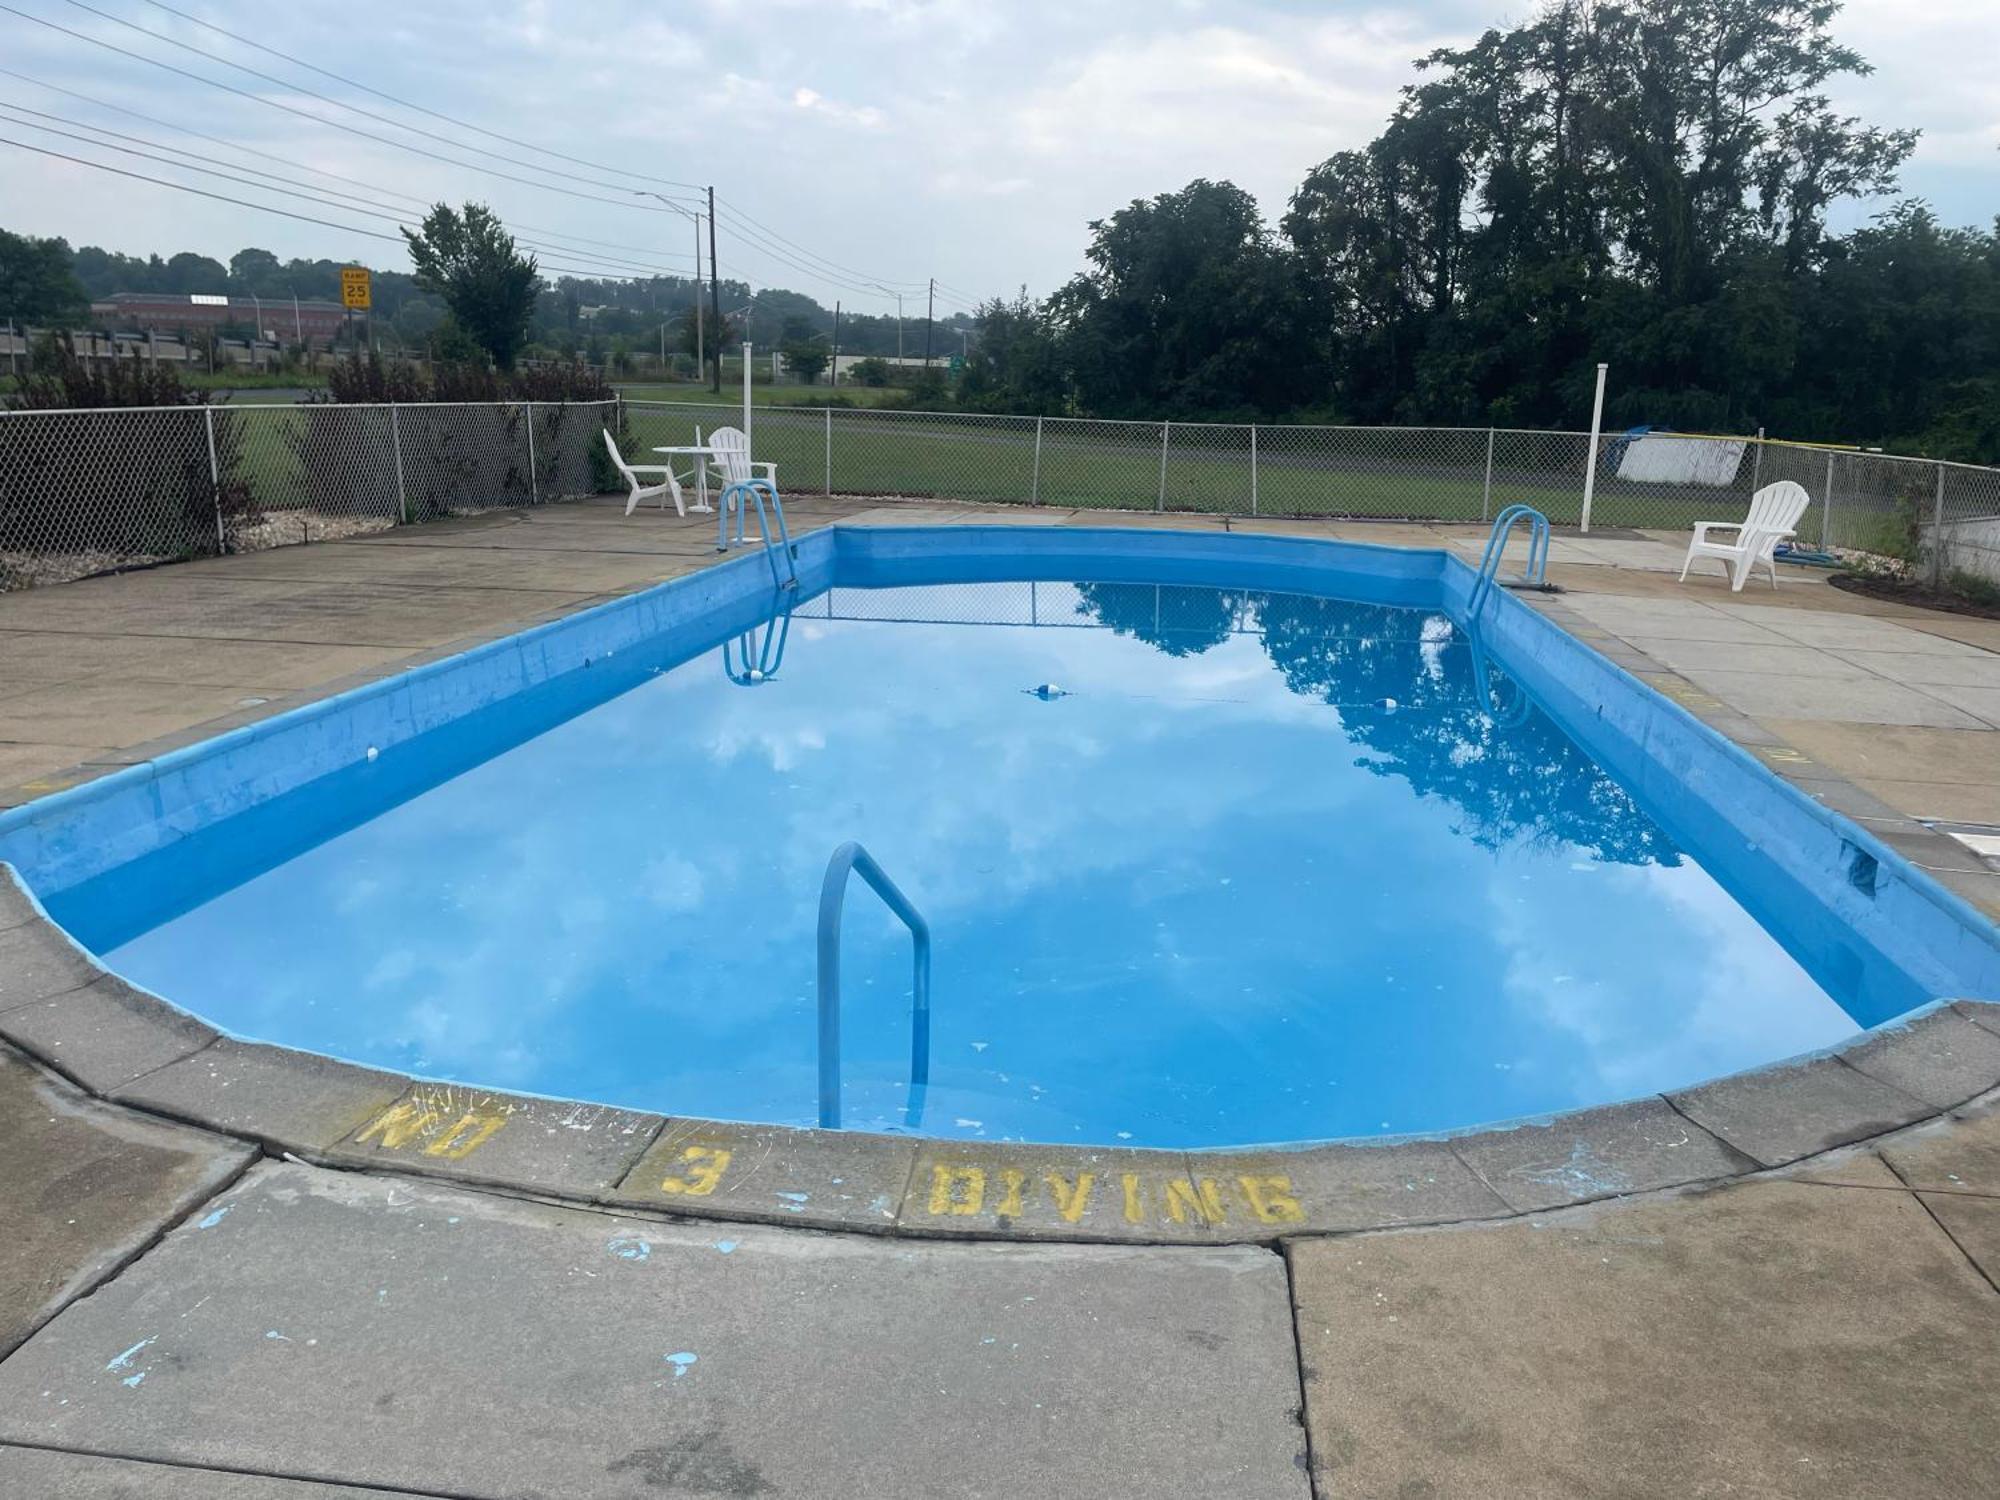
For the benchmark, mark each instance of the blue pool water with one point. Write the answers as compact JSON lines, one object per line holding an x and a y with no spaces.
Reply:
{"x":1256,"y":867}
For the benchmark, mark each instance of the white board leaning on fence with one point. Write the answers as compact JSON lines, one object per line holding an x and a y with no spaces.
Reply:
{"x":1666,"y":459}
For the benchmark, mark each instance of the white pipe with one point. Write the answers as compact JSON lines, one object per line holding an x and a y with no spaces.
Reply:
{"x":746,"y":401}
{"x":1590,"y":458}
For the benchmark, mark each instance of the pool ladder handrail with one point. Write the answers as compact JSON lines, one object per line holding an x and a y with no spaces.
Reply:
{"x":1534,"y":576}
{"x":756,"y":489}
{"x":1515,"y":714}
{"x":851,"y":859}
{"x":762,"y":657}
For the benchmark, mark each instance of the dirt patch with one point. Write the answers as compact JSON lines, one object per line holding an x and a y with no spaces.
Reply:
{"x":1913,"y":593}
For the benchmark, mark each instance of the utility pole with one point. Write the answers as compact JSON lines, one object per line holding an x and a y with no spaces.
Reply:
{"x":930,"y":307}
{"x":715,"y":295}
{"x":835,"y":378}
{"x":698,"y":338}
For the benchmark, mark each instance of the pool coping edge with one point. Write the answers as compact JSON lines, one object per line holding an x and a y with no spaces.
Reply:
{"x":84,"y":1023}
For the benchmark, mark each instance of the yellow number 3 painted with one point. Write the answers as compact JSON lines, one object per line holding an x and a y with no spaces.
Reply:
{"x":706,"y":1165}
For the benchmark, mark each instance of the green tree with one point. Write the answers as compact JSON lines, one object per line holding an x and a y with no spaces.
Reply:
{"x":808,"y":357}
{"x":470,"y":260}
{"x":1187,"y":307}
{"x":37,"y":282}
{"x":1016,"y":362}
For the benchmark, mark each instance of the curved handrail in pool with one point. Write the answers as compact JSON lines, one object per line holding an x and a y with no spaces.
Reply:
{"x":762,"y":647}
{"x":743,"y":491}
{"x":851,"y":858}
{"x":1496,"y":547}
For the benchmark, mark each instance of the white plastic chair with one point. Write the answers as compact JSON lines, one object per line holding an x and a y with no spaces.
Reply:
{"x":1774,"y":514}
{"x":731,"y":463}
{"x":731,"y":459}
{"x":640,"y":490}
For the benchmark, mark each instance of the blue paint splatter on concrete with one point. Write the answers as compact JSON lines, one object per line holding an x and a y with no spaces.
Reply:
{"x":1584,"y":1175}
{"x":681,"y":1362}
{"x":215,"y":1218}
{"x":131,"y":1382}
{"x":124,"y":1361}
{"x":725,"y":1246}
{"x":629,"y":1247}
{"x":274,"y":1334}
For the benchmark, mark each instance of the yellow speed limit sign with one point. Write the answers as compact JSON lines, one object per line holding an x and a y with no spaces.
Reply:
{"x":354,"y":288}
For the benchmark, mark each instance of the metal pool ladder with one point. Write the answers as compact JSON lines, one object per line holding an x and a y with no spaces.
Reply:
{"x":851,"y":858}
{"x":1534,"y":576}
{"x":743,"y":491}
{"x":762,"y":648}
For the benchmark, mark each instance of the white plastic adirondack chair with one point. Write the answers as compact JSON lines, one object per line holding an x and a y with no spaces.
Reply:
{"x":731,"y":463}
{"x":1774,"y":513}
{"x":640,"y":490}
{"x":732,"y":457}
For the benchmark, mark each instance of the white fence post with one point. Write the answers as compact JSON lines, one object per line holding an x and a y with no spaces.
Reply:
{"x":1253,"y":468}
{"x":1590,"y":456}
{"x":1035,"y":484}
{"x":396,"y":443}
{"x":1161,"y":503}
{"x":1826,"y":507}
{"x":1757,"y":465}
{"x":1486,"y":495}
{"x":829,"y":450}
{"x":534,"y":479}
{"x":215,"y":481}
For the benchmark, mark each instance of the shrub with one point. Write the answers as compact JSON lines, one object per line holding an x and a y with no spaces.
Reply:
{"x":121,"y":463}
{"x":464,"y":440}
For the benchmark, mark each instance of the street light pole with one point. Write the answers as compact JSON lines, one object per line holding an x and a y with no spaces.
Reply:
{"x":899,"y":317}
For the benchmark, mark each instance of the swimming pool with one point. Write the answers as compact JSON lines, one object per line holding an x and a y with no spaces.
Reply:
{"x":1221,"y":840}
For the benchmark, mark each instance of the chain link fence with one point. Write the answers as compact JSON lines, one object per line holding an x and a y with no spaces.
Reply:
{"x":85,"y":491}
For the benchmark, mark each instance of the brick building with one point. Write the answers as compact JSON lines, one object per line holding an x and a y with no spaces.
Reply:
{"x":315,"y":324}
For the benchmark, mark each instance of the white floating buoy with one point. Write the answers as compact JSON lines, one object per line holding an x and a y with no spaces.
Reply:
{"x":373,"y":752}
{"x":1047,"y":691}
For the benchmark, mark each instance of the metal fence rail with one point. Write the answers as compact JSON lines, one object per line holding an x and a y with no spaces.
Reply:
{"x":83,"y":491}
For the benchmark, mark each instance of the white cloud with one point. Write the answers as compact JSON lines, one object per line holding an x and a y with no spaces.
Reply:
{"x":903,"y":137}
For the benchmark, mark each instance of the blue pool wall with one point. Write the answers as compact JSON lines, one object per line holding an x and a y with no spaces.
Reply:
{"x":1849,"y":907}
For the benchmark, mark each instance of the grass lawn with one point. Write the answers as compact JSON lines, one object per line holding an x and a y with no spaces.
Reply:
{"x":1117,"y":466}
{"x":457,"y":458}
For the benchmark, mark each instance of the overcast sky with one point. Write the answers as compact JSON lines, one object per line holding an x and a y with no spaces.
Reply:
{"x":972,"y":140}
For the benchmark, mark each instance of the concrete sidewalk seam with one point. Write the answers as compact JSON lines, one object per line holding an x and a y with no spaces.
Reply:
{"x":138,"y":1252}
{"x":1309,"y":1462}
{"x":166,"y":1463}
{"x":1944,"y":1229}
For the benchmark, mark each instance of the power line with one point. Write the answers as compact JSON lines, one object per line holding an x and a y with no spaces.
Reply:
{"x":373,"y":234}
{"x":559,"y":263}
{"x":316,"y":119}
{"x":212,"y":139}
{"x":354,"y":109}
{"x":422,"y":204}
{"x":622,"y":270}
{"x":868,"y":278}
{"x":761,"y":238}
{"x":300,"y":62}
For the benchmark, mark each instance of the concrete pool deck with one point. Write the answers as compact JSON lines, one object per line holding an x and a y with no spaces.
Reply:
{"x":192,"y":1314}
